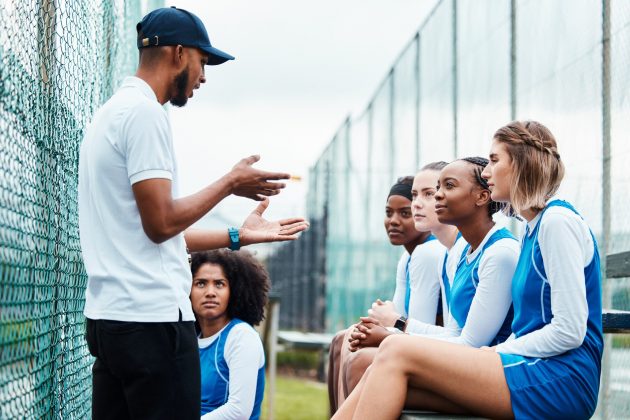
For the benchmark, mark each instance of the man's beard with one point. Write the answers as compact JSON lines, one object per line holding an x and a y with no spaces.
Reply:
{"x":181,"y":83}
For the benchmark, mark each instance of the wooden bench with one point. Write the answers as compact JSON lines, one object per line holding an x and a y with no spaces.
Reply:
{"x":613,"y":322}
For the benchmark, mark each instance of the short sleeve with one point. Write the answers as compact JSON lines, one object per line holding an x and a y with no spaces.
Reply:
{"x":148,"y":143}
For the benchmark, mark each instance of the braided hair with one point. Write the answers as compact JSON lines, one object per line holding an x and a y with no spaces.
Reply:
{"x":479,"y":164}
{"x":536,"y":166}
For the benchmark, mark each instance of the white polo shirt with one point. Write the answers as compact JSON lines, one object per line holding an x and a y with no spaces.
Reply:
{"x":130,"y":278}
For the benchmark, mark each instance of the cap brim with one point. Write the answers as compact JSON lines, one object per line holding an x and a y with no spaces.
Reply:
{"x":216,"y":56}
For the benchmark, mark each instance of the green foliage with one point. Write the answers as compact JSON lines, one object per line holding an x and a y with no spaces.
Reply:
{"x":621,"y":341}
{"x":298,"y":359}
{"x":297,"y":399}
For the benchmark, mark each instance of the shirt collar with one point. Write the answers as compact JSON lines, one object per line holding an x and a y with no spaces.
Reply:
{"x":136,"y":82}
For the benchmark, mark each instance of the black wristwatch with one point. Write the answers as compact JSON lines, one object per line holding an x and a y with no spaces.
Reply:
{"x":401,"y":323}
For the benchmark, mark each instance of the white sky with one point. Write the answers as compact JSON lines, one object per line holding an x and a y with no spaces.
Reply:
{"x":300,"y":69}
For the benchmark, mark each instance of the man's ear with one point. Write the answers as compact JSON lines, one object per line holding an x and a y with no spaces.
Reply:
{"x":483,"y":197}
{"x":178,"y":55}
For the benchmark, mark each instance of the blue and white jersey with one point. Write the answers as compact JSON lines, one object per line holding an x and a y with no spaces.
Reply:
{"x":232,"y":373}
{"x":417,"y":282}
{"x":482,"y":266}
{"x":552,"y":362}
{"x":448,"y":269}
{"x":480,"y":293}
{"x":553,"y":312}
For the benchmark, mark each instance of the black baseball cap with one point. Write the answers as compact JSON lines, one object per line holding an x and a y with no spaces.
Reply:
{"x":173,"y":26}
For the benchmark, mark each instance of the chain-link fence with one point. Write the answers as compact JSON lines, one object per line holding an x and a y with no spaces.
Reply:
{"x":473,"y":66}
{"x":59,"y":61}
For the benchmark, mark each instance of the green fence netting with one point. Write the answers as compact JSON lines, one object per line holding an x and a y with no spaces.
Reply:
{"x":59,"y":61}
{"x":473,"y":66}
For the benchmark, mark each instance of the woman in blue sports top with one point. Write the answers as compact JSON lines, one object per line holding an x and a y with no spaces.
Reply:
{"x":228,"y":295}
{"x":416,"y":295}
{"x":549,"y":368}
{"x":479,"y":298}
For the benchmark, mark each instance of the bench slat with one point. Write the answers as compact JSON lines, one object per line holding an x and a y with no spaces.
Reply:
{"x":615,"y":321}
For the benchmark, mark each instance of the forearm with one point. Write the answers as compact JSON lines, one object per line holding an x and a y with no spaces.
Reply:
{"x":204,"y":240}
{"x":164,"y":217}
{"x":451,"y":329}
{"x":187,"y":210}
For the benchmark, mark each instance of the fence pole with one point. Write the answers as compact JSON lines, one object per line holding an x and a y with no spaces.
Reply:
{"x":606,"y":194}
{"x":416,"y":74}
{"x":454,"y":76}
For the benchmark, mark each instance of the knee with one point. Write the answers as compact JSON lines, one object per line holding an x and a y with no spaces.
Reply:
{"x":392,"y":350}
{"x":392,"y":344}
{"x":336,"y":345}
{"x":359,"y":362}
{"x":338,"y":338}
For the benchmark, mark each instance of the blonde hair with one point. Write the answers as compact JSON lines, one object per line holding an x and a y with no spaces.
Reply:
{"x":536,"y":166}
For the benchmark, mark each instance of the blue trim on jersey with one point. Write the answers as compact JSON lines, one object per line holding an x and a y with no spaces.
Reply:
{"x":215,"y":375}
{"x":408,"y":279}
{"x":562,"y":386}
{"x":446,"y":283}
{"x":465,"y":286}
{"x":407,"y":287}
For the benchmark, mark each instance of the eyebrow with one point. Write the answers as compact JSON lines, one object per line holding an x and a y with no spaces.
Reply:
{"x":493,"y":155}
{"x":450,"y":178}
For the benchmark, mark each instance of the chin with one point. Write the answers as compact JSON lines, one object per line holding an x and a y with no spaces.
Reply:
{"x":179,"y":102}
{"x":498,"y":198}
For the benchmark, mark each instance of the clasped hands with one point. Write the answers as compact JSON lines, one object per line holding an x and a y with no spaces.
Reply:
{"x":371,"y":330}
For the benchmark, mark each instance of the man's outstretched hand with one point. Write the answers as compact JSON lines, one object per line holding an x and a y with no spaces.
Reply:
{"x":256,"y":229}
{"x":247,"y":181}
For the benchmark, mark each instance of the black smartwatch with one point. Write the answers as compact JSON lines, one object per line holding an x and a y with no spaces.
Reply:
{"x":401,"y":323}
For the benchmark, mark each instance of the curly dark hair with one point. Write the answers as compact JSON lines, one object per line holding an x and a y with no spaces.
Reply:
{"x":480,"y":163}
{"x":248,"y":280}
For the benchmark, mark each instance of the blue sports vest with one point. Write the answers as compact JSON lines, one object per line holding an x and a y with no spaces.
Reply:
{"x":465,"y":285}
{"x":215,"y":375}
{"x":532,"y":296}
{"x":445,"y":280}
{"x":408,"y":279}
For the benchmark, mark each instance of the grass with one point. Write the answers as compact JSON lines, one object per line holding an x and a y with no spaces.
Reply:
{"x":297,"y":399}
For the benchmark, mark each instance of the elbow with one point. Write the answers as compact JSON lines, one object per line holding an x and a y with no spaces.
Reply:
{"x":158,"y":233}
{"x":572,"y":337}
{"x":576,"y":339}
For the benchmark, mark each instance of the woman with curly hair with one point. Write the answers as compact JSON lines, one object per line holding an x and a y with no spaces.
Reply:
{"x":229,"y":293}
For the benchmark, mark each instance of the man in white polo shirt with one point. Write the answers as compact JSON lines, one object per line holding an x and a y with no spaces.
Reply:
{"x":134,"y":230}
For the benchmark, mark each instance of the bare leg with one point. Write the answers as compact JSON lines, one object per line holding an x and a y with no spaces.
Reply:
{"x":342,"y":387}
{"x":472,"y":379}
{"x":356,"y":365}
{"x":415,"y":399}
{"x":334,"y":363}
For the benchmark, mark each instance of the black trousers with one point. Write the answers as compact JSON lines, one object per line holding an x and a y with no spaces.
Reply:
{"x":144,"y":370}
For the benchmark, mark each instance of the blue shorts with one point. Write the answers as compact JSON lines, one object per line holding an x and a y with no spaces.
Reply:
{"x":559,"y":387}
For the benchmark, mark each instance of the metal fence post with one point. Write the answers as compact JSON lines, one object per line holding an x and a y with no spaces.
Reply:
{"x":606,"y":197}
